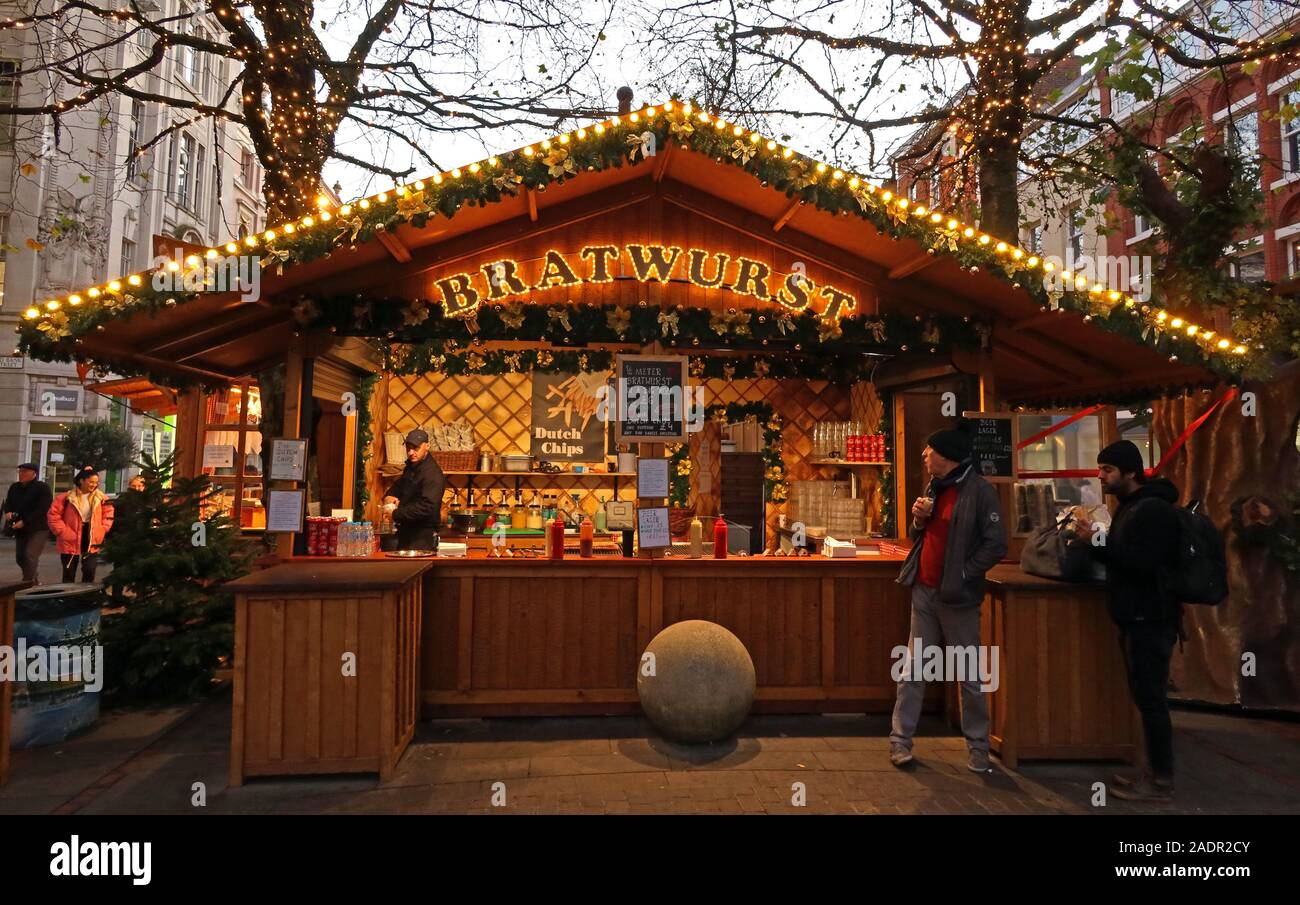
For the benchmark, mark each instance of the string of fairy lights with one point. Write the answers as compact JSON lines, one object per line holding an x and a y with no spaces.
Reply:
{"x":943,"y":227}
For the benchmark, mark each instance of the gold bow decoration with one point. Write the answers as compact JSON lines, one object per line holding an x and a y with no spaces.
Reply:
{"x":743,"y":150}
{"x":507,"y":181}
{"x":696,"y":368}
{"x":729,"y":370}
{"x":475,"y":361}
{"x":640,"y":145}
{"x":544,"y":358}
{"x":438,"y":362}
{"x":683,"y":128}
{"x":761,"y":367}
{"x":305,"y":311}
{"x":864,"y":196}
{"x":417,"y":312}
{"x":619,"y":320}
{"x":784,"y":322}
{"x":1054,"y":295}
{"x":946,"y":240}
{"x":349,"y":228}
{"x":583,"y":361}
{"x":737,"y":322}
{"x":802,"y":176}
{"x":412,"y":203}
{"x":560,"y":315}
{"x":513,"y":361}
{"x":513,"y":315}
{"x":560,"y":162}
{"x":876,"y":327}
{"x":828,"y":330}
{"x":668,"y":323}
{"x":930,"y":335}
{"x":279,"y":255}
{"x":470,"y":318}
{"x":55,"y":325}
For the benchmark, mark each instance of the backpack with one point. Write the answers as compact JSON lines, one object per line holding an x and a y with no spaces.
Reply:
{"x":1199,"y":573}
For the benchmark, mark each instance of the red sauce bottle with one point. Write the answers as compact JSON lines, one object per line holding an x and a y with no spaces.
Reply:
{"x":720,"y":538}
{"x":586,"y":538}
{"x":557,"y":539}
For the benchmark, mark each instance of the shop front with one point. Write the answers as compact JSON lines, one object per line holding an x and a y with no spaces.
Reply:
{"x":813,"y":330}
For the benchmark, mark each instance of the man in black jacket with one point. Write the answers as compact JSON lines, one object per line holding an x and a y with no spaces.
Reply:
{"x":1140,"y":545}
{"x":958,"y":536}
{"x":417,"y":494}
{"x":26,"y":505}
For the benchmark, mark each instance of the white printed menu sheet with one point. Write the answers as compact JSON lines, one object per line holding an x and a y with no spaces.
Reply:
{"x":652,"y":527}
{"x":288,"y":460}
{"x":218,"y":455}
{"x":284,"y":510}
{"x":652,"y":478}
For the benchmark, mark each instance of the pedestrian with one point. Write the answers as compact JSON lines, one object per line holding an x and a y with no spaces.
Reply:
{"x":25,"y":506}
{"x":79,"y":519}
{"x":417,"y":496}
{"x":1140,"y":544}
{"x":958,"y":535}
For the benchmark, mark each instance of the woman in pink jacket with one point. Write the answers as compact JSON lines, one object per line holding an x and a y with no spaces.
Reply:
{"x":79,"y":519}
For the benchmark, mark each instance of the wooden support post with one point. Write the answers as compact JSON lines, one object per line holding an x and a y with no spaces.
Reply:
{"x":292,"y":425}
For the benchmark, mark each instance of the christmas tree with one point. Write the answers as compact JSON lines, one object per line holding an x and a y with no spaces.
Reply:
{"x":171,"y":559}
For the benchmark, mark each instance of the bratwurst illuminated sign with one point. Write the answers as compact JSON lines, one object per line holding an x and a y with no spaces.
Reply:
{"x":504,"y":279}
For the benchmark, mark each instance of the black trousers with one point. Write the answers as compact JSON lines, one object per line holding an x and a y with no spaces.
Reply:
{"x":87,"y":560}
{"x":1147,"y":648}
{"x":415,"y":537}
{"x":28,"y":547}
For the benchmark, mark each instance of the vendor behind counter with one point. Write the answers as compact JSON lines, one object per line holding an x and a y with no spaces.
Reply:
{"x":417,"y":494}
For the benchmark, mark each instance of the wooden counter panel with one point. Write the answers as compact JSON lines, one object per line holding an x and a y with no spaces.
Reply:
{"x":1063,"y":692}
{"x":777,"y":619}
{"x":872,"y":617}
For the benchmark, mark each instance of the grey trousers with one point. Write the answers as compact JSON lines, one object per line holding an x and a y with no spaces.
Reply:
{"x":938,"y":624}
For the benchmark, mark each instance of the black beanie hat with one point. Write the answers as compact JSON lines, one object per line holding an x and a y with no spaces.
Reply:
{"x":1124,"y":455}
{"x":951,"y":444}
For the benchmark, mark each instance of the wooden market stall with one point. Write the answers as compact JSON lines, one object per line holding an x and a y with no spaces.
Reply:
{"x":798,"y":299}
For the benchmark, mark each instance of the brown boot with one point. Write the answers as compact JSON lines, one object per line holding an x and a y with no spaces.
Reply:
{"x":1124,"y":780}
{"x":1145,"y":789}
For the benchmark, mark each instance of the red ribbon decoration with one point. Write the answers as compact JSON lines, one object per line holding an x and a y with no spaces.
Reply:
{"x":1191,"y":429}
{"x":1056,"y":427}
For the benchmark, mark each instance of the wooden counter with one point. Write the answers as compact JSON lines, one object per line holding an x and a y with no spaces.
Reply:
{"x":326,"y":667}
{"x":1063,"y":694}
{"x":532,"y":637}
{"x":7,"y":592}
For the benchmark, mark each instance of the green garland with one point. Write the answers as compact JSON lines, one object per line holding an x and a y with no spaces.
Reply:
{"x":365,"y":437}
{"x":51,"y":334}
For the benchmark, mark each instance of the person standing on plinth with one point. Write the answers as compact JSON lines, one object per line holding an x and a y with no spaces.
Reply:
{"x":957,"y":535}
{"x":25,"y":507}
{"x":417,"y":494}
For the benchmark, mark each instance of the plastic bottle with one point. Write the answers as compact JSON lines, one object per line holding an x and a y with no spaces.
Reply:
{"x":697,"y":538}
{"x":556,"y":534}
{"x":586,"y":538}
{"x":601,"y":516}
{"x":720,"y":538}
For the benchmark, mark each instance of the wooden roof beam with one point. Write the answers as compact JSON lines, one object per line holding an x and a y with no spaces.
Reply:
{"x":912,"y":265}
{"x":1063,"y":358}
{"x":532,"y":204}
{"x":395,"y":246}
{"x":1036,"y":320}
{"x":661,"y":163}
{"x":1151,"y":378}
{"x":785,"y":218}
{"x":244,"y":322}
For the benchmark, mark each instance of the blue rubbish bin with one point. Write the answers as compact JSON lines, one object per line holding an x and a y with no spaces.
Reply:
{"x":63,"y":616}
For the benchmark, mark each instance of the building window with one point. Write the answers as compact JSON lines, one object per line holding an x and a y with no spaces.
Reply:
{"x":196,"y":196}
{"x":134,"y":141}
{"x":247,"y":169}
{"x":1074,"y":233}
{"x":1243,"y":136}
{"x":184,"y":172}
{"x":1247,"y":267}
{"x":8,"y":96}
{"x":171,"y":166}
{"x":1291,"y":133}
{"x":1293,"y":257}
{"x":1141,"y":225}
{"x":127,"y":264}
{"x":1034,"y":238}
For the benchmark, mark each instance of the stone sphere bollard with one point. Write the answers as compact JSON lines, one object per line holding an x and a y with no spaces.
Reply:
{"x":699,"y":684}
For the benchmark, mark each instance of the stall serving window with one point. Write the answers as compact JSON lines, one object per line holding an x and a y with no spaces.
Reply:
{"x":1057,"y":466}
{"x":232,"y":453}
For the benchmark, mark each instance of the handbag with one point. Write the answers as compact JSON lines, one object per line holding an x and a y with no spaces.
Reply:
{"x":1050,"y":552}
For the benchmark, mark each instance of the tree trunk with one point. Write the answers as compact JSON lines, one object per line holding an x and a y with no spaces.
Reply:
{"x":1231,"y":456}
{"x":999,"y":195}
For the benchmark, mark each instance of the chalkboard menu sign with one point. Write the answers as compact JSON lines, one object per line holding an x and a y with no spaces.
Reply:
{"x":993,"y":443}
{"x":651,"y":399}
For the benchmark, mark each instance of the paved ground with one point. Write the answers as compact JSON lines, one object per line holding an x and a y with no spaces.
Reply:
{"x":51,"y":569}
{"x":138,"y":762}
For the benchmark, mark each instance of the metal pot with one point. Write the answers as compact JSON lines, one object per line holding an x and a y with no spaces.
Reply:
{"x":462,"y":522}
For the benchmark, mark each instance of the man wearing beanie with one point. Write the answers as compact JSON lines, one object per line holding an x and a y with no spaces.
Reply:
{"x":958,"y":535}
{"x":1142,"y":540}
